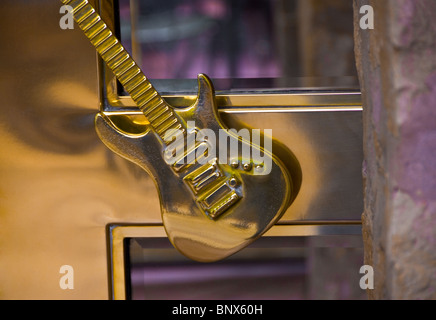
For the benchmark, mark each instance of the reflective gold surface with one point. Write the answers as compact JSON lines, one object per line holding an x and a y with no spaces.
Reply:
{"x":52,"y":211}
{"x":60,"y":186}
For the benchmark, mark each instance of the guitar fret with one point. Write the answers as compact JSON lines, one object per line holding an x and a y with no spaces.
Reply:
{"x":77,"y":5}
{"x":124,"y":67}
{"x":100,"y":37}
{"x":145,"y":99}
{"x":154,"y":102}
{"x":144,"y":108}
{"x":137,"y":92}
{"x":95,"y":30}
{"x":135,"y":82}
{"x":83,"y":14}
{"x":120,"y":58}
{"x":162,"y":130}
{"x":88,"y":23}
{"x":153,"y":116}
{"x":129,"y":74}
{"x":162,"y":119}
{"x":106,"y":45}
{"x":112,"y":53}
{"x":148,"y":108}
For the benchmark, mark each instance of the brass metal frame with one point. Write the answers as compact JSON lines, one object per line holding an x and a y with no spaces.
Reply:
{"x":324,"y":100}
{"x":117,"y":234}
{"x":289,"y":102}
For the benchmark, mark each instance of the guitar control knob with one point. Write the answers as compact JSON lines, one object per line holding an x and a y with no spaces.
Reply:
{"x":247,"y":166}
{"x":259,"y":168}
{"x":235,"y":164}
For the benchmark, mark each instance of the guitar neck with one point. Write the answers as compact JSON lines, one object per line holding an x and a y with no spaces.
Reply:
{"x":158,"y":112}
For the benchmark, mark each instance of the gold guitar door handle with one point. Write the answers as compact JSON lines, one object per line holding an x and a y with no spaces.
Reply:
{"x":212,"y":205}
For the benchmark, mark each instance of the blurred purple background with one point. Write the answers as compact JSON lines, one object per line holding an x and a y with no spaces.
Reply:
{"x":222,"y":38}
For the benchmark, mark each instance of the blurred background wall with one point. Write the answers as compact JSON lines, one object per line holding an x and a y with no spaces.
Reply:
{"x":241,"y":39}
{"x":397,"y":71}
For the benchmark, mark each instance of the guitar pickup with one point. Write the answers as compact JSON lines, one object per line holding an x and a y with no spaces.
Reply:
{"x":189,"y":158}
{"x":214,"y":194}
{"x":203,"y":177}
{"x":218,"y":201}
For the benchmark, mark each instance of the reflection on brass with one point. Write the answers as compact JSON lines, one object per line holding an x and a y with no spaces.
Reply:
{"x":300,"y":102}
{"x":119,"y":233}
{"x":209,"y":210}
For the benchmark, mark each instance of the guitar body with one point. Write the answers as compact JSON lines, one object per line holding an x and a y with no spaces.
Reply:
{"x":210,"y":209}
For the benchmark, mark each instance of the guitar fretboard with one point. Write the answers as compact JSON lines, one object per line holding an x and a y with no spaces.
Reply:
{"x":160,"y":115}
